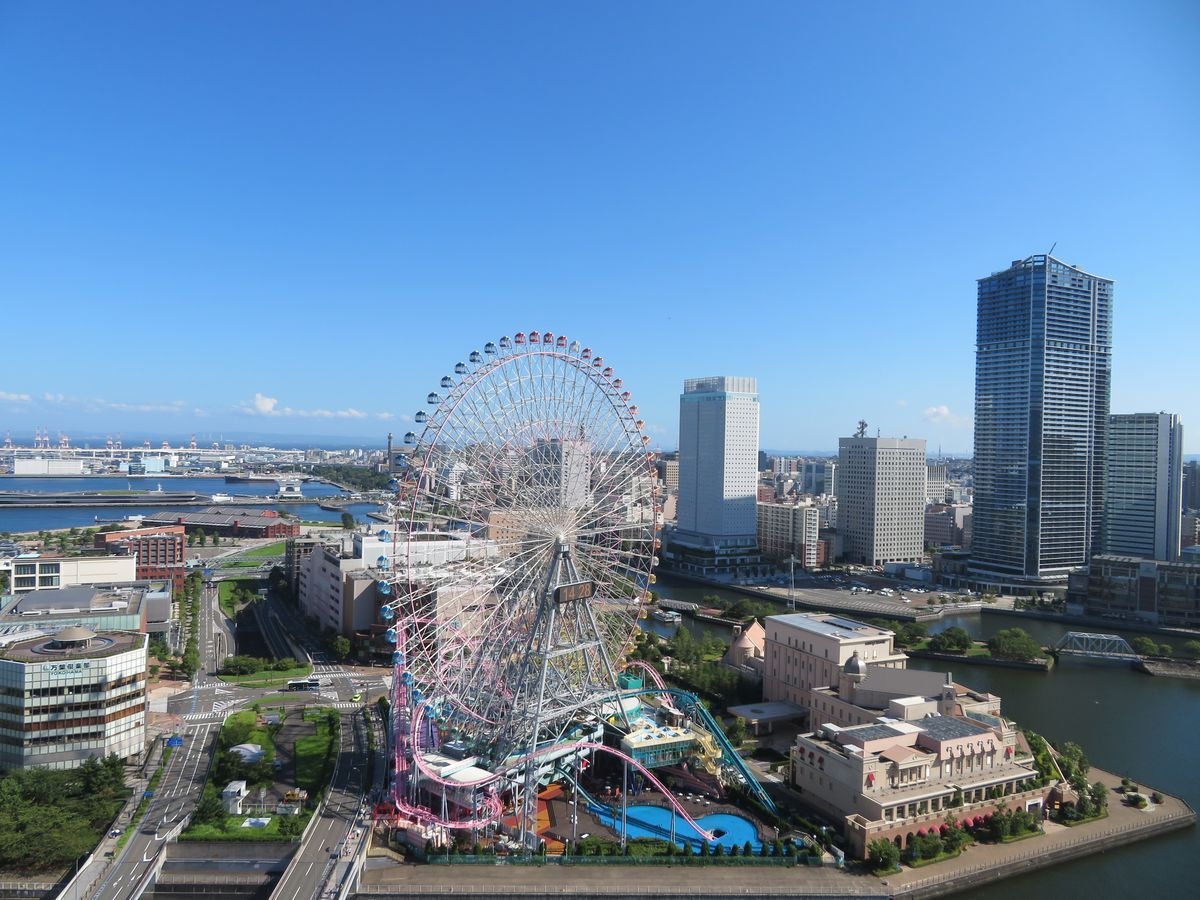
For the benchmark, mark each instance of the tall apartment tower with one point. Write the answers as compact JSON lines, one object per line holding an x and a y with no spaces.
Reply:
{"x":1143,"y":500}
{"x":881,"y":499}
{"x":1042,"y":380}
{"x":718,"y":463}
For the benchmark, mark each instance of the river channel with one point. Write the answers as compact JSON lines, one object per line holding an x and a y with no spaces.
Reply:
{"x":24,"y":520}
{"x":1128,"y":723}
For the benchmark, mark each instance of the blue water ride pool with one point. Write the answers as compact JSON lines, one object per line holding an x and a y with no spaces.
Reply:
{"x":655,"y":822}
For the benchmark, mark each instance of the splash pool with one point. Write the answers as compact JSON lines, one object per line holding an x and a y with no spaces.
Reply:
{"x":655,"y":822}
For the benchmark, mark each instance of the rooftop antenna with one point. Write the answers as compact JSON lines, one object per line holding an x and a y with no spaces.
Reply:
{"x":862,"y":428}
{"x":1051,"y":250}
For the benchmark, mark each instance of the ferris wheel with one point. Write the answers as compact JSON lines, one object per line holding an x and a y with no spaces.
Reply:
{"x":524,"y":543}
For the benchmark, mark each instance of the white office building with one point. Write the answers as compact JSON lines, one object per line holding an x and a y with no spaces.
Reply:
{"x":1144,"y":490}
{"x":881,"y":499}
{"x":71,"y":694}
{"x":718,"y":475}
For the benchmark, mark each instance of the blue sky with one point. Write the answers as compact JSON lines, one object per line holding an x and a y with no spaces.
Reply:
{"x":294,"y":218}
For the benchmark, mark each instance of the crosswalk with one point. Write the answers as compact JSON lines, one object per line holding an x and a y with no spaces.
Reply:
{"x":217,"y":711}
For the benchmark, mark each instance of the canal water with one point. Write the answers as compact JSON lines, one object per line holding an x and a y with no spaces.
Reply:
{"x":23,"y":520}
{"x":1127,"y":722}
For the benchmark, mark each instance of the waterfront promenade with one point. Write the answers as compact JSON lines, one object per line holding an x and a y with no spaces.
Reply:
{"x":979,"y":864}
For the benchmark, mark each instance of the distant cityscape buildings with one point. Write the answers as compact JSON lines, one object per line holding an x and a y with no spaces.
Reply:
{"x":1042,"y":385}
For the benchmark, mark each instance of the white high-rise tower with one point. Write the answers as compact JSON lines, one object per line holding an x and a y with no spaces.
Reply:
{"x":718,"y":473}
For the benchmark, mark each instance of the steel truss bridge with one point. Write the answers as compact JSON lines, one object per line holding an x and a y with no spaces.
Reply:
{"x":1095,"y":646}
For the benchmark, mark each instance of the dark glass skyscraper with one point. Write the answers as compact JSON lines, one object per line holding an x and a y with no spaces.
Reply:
{"x":1042,"y":383}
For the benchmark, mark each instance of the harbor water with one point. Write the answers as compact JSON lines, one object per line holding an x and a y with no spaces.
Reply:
{"x":37,"y":519}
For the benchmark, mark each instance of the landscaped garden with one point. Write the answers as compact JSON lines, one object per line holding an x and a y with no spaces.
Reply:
{"x":276,"y":754}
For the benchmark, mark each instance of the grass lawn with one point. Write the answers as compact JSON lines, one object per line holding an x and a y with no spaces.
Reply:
{"x":268,"y":678}
{"x":275,"y":549}
{"x":312,"y":752}
{"x":226,"y":590}
{"x":240,"y":564}
{"x":233,"y":830}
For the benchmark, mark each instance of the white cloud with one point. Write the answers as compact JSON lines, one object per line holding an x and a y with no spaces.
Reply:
{"x":265,"y":405}
{"x":269,"y":406}
{"x":54,"y":398}
{"x":902,"y":403}
{"x":175,"y":406}
{"x":386,"y":416}
{"x":941,"y":415}
{"x":14,"y":398}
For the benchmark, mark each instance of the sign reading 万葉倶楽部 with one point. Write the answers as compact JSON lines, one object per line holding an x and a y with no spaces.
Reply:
{"x":66,"y":668}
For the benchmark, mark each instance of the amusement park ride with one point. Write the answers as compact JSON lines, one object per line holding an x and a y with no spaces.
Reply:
{"x":525,"y":528}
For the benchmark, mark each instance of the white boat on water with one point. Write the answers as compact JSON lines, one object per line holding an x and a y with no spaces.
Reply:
{"x":668,"y":616}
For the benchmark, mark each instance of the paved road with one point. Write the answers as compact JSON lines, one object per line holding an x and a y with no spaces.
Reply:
{"x":204,"y":708}
{"x":339,"y":832}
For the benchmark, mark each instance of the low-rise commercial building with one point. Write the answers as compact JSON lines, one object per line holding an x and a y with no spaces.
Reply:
{"x":71,"y":695}
{"x":1146,"y":590}
{"x":34,"y":571}
{"x":137,"y":606}
{"x":229,"y":522}
{"x":160,"y":551}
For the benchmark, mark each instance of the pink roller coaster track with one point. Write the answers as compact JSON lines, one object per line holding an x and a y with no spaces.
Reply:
{"x":493,"y":806}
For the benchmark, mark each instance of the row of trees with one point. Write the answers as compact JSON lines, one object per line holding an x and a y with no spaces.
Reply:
{"x":359,"y":478}
{"x":252,"y":665}
{"x":200,"y":536}
{"x":193,"y":589}
{"x":1147,"y":646}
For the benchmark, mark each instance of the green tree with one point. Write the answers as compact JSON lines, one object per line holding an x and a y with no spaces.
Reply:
{"x":1166,"y":650}
{"x":1191,"y":649}
{"x":952,"y":640}
{"x":737,"y":732}
{"x":1144,"y":646}
{"x":202,"y":537}
{"x":341,"y":647}
{"x":348,"y":521}
{"x":1014,"y":644}
{"x":209,"y":811}
{"x":883,"y":855}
